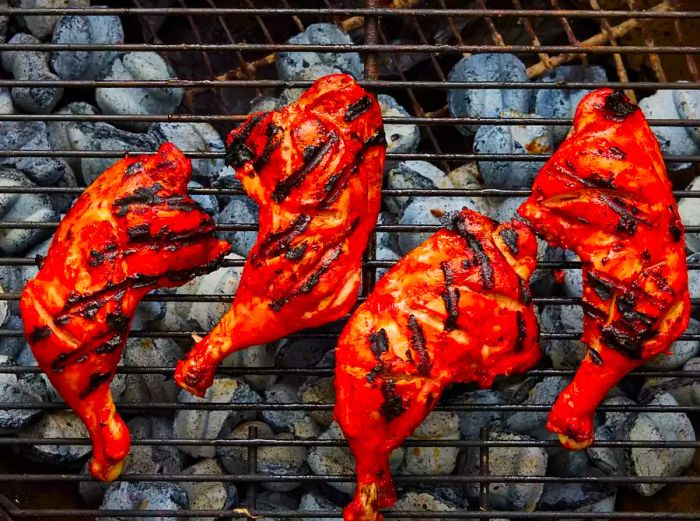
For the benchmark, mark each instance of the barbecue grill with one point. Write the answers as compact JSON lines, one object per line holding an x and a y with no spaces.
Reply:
{"x":225,"y":50}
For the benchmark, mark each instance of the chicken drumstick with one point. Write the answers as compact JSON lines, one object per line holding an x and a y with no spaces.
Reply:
{"x":455,"y":309}
{"x":605,"y":195}
{"x":315,"y":168}
{"x":133,"y":230}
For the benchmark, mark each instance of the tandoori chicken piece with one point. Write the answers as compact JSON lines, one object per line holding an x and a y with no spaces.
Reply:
{"x":605,"y":195}
{"x":315,"y":169}
{"x":133,"y":230}
{"x":455,"y":309}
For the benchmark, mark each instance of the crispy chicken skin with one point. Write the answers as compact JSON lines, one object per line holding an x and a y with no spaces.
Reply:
{"x":133,"y":230}
{"x":315,"y":169}
{"x":605,"y":195}
{"x":455,"y":309}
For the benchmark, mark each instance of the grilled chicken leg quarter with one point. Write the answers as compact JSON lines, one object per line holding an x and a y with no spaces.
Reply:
{"x":605,"y":195}
{"x":133,"y":230}
{"x":455,"y":309}
{"x":315,"y":169}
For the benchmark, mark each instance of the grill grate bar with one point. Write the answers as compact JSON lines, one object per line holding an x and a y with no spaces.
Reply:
{"x":530,"y":158}
{"x":574,"y":335}
{"x":370,"y":84}
{"x":233,"y":118}
{"x":457,"y":192}
{"x":346,"y":48}
{"x":205,"y":406}
{"x":321,"y":372}
{"x":339,"y":478}
{"x":158,"y":297}
{"x":14,"y":261}
{"x":391,"y":228}
{"x":263,"y":442}
{"x":337,"y":514}
{"x":343,"y":11}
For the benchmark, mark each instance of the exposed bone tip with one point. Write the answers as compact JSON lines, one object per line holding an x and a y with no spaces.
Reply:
{"x":572,"y":444}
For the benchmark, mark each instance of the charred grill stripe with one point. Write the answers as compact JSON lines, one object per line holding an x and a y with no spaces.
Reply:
{"x":140,"y":280}
{"x":40,"y":333}
{"x":450,"y":296}
{"x":379,"y":343}
{"x":393,"y":405}
{"x":296,"y":254}
{"x":617,"y":153}
{"x":481,"y":259}
{"x":591,"y":311}
{"x":447,"y":273}
{"x":617,"y":106}
{"x":628,"y":222}
{"x":310,"y":282}
{"x":628,"y":344}
{"x":134,"y":168}
{"x":118,"y":321}
{"x":376,"y":371}
{"x":273,"y":141}
{"x":661,"y":282}
{"x":356,"y":109}
{"x":278,"y":242}
{"x":595,"y":356}
{"x":417,"y":342}
{"x":337,"y":182}
{"x":143,"y":194}
{"x":139,"y":232}
{"x":96,"y":258}
{"x":522,"y":332}
{"x":96,"y":379}
{"x":110,"y":346}
{"x":525,"y":295}
{"x":59,"y":363}
{"x":594,"y":181}
{"x":631,"y":316}
{"x":166,"y":164}
{"x":675,"y":227}
{"x":601,"y":287}
{"x":510,"y":238}
{"x":172,"y":202}
{"x":238,"y":153}
{"x":378,"y":138}
{"x":63,"y":320}
{"x":285,"y":186}
{"x":90,"y":308}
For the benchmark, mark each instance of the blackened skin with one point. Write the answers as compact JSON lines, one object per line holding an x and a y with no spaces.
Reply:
{"x":356,"y":109}
{"x":134,"y":229}
{"x":379,"y":343}
{"x":618,"y":106}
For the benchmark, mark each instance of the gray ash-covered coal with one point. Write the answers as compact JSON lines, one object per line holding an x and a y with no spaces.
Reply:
{"x":211,"y":424}
{"x":139,"y":101}
{"x":509,"y":139}
{"x":83,"y":30}
{"x":30,"y":207}
{"x":296,"y":65}
{"x":31,"y":65}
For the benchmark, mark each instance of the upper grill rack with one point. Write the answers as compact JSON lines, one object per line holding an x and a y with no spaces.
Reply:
{"x":612,"y":26}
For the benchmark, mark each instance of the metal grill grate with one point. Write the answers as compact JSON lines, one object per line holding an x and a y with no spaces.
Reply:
{"x":616,"y":33}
